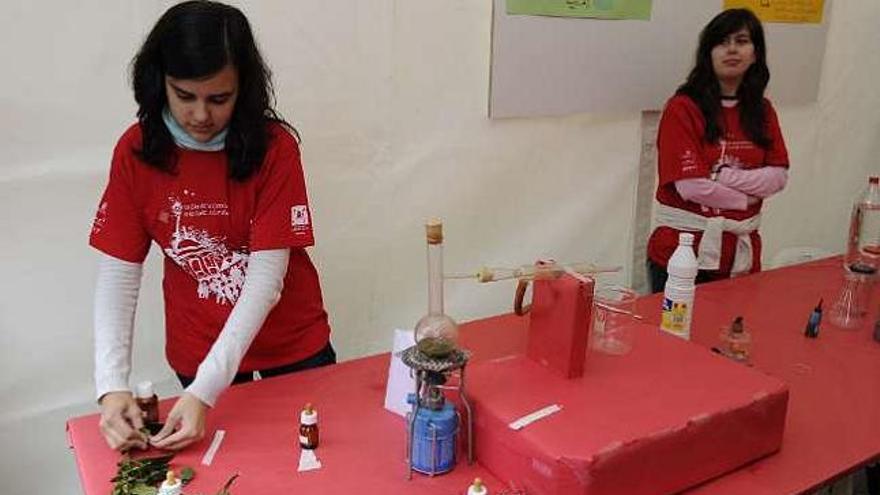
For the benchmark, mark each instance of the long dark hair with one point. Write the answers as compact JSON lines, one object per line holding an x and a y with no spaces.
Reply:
{"x":192,"y":40}
{"x":703,"y":87}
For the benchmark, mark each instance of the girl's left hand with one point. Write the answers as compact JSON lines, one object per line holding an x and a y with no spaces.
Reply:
{"x":185,"y":424}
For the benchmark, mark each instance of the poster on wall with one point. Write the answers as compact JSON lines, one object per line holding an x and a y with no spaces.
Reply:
{"x":598,"y":9}
{"x":791,"y":11}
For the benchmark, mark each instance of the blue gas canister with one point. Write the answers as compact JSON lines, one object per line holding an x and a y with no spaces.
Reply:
{"x":434,"y":438}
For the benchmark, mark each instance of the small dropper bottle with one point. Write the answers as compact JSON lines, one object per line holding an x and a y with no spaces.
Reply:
{"x":478,"y":488}
{"x":172,"y":485}
{"x":738,"y":341}
{"x":308,"y":428}
{"x":147,"y":401}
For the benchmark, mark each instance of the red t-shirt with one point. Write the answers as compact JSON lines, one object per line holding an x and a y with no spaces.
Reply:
{"x":206,"y":224}
{"x":684,"y":153}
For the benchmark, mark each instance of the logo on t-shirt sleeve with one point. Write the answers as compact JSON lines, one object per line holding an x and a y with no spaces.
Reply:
{"x":299,"y":217}
{"x":100,"y":218}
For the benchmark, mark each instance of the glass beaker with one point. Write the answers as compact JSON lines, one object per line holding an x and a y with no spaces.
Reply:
{"x":613,"y":331}
{"x":851,"y":305}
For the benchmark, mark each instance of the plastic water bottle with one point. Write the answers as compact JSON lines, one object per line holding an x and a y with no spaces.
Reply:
{"x":678,"y":297}
{"x":863,"y":248}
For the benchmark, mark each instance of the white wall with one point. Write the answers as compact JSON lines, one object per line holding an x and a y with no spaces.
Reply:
{"x":390,"y":97}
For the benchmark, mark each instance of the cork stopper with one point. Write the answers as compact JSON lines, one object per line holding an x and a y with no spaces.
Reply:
{"x":434,"y":231}
{"x":170,"y":478}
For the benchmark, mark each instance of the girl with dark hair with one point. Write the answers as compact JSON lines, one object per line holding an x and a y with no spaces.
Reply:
{"x":720,"y":154}
{"x":212,"y":174}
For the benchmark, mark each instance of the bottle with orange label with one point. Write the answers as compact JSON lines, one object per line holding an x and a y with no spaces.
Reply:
{"x":678,"y":296}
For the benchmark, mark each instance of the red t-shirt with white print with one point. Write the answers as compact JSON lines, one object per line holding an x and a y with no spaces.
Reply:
{"x":206,"y":224}
{"x":684,"y":153}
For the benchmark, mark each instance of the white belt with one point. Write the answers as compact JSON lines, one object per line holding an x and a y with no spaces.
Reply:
{"x":709,"y":254}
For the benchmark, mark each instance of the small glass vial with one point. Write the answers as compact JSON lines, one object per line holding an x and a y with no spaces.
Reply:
{"x":147,"y":401}
{"x":477,"y":488}
{"x":172,"y":485}
{"x":308,"y":428}
{"x":737,"y":341}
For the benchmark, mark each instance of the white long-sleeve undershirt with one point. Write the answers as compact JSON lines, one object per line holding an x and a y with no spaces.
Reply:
{"x":115,"y":302}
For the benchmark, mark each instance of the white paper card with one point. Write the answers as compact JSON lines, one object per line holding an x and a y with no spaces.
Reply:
{"x":308,"y":461}
{"x":535,"y":416}
{"x":400,"y":382}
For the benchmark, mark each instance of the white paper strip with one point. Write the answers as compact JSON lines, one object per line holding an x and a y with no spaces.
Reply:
{"x":535,"y":416}
{"x":214,"y":447}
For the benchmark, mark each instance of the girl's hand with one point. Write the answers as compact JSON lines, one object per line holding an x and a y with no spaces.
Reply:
{"x":185,"y":424}
{"x":121,"y":421}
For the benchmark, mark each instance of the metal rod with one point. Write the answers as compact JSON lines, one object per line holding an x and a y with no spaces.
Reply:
{"x":433,"y":450}
{"x":470,"y":417}
{"x":412,"y":425}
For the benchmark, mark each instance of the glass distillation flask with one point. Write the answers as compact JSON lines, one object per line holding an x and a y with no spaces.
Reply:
{"x":436,"y":334}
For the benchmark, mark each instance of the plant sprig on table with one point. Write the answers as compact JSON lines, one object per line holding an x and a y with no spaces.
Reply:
{"x":140,"y":476}
{"x":229,"y":482}
{"x":225,"y":489}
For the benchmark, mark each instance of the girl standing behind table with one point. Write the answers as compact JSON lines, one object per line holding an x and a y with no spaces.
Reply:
{"x":720,"y":154}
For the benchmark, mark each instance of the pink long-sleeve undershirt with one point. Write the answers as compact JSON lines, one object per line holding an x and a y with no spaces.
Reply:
{"x":733,"y":186}
{"x":762,"y":182}
{"x":712,"y":194}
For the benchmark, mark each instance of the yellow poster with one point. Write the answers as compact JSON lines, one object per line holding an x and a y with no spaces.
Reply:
{"x":794,"y":11}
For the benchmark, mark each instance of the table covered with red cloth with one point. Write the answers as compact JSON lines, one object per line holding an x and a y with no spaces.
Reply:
{"x":832,"y":426}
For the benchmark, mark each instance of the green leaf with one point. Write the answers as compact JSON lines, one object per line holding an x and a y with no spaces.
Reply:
{"x":187,"y":474}
{"x":143,"y":489}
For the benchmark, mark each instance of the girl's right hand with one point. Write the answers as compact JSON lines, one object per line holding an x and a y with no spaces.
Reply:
{"x":121,"y":421}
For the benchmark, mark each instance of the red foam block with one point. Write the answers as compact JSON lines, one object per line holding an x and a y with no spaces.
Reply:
{"x":665,"y":417}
